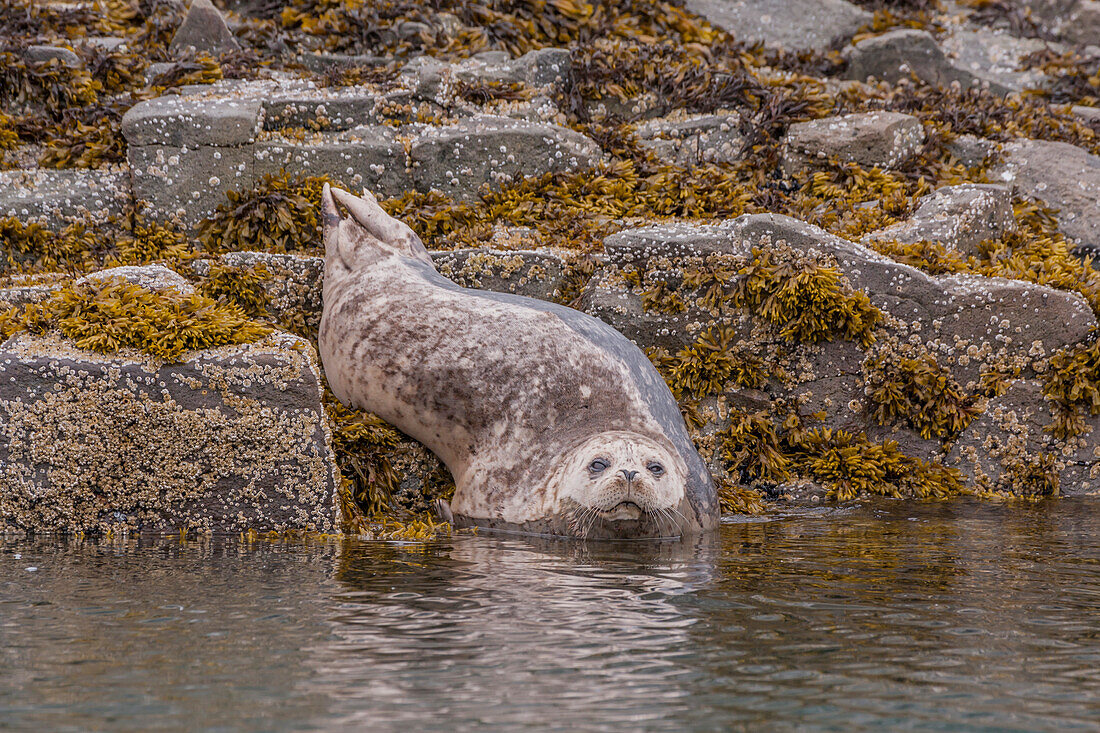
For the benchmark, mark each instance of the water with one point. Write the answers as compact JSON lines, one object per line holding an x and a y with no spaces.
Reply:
{"x":888,"y":616}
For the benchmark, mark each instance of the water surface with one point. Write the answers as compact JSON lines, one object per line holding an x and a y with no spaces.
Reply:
{"x":957,"y":616}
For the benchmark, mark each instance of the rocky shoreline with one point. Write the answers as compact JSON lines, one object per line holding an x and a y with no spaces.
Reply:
{"x":855,"y":238}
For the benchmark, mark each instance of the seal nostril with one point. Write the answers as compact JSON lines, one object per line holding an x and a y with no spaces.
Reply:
{"x":629,"y":475}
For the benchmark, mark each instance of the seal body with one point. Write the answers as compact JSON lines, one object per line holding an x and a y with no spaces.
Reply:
{"x":549,"y":420}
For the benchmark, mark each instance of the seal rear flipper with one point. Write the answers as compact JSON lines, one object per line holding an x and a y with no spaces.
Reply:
{"x":393,"y":235}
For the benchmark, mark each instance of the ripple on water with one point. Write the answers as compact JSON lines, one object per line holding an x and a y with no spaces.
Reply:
{"x":951,"y":617}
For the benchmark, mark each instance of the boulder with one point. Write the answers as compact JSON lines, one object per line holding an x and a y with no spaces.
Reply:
{"x":795,"y":25}
{"x":150,"y":277}
{"x":994,"y":58}
{"x":180,"y":121}
{"x":55,"y":197}
{"x":959,"y":217}
{"x":882,"y":139}
{"x":896,"y":55}
{"x":203,"y":30}
{"x":188,"y":183}
{"x":42,"y":54}
{"x":458,"y":160}
{"x":693,"y":139}
{"x":533,"y":274}
{"x":233,"y":438}
{"x":367,"y":157}
{"x":1062,"y":175}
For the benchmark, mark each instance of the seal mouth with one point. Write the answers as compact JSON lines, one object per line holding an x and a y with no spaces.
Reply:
{"x":622,"y":510}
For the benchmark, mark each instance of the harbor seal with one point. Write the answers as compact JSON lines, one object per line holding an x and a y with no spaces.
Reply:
{"x":550,"y":421}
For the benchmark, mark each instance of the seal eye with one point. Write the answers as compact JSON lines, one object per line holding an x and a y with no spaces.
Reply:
{"x":598,"y":466}
{"x":656,"y":469}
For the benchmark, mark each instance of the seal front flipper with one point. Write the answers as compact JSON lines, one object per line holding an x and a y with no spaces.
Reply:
{"x":380,"y":229}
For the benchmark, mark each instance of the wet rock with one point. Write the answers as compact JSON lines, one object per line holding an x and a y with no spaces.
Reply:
{"x":188,"y":183}
{"x":1062,"y":175}
{"x":533,"y":274}
{"x":203,"y":29}
{"x":233,"y":438}
{"x":366,"y":157}
{"x":151,"y":277}
{"x":54,"y":197}
{"x":994,"y":58}
{"x":327,"y":109}
{"x":460,"y":159}
{"x":42,"y":54}
{"x":187,"y":121}
{"x":971,"y":150}
{"x":995,"y":450}
{"x":608,"y":298}
{"x":959,"y":217}
{"x":895,"y":55}
{"x":635,"y":247}
{"x":546,"y":66}
{"x":293,"y":287}
{"x":883,"y":139}
{"x":693,"y":139}
{"x":789,"y":24}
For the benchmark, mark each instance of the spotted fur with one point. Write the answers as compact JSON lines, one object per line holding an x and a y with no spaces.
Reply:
{"x":516,"y":396}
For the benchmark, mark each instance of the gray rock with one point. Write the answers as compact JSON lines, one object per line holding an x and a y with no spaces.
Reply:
{"x":23,"y":294}
{"x":1083,"y":23}
{"x":693,"y":139}
{"x":328,"y":109}
{"x":994,"y":58}
{"x":188,"y":182}
{"x":546,"y":66}
{"x":187,"y":121}
{"x":150,"y":277}
{"x":104,"y":43}
{"x":1011,"y":432}
{"x":293,"y":290}
{"x":233,"y":439}
{"x":533,"y":274}
{"x":606,"y":297}
{"x":790,"y":24}
{"x":895,"y":55}
{"x":1064,"y":176}
{"x":460,"y":159}
{"x":971,"y":150}
{"x":318,"y":61}
{"x":960,"y":217}
{"x":1089,"y":115}
{"x":367,"y":157}
{"x":42,"y":54}
{"x":673,"y":241}
{"x":203,"y":29}
{"x":56,"y":196}
{"x":883,"y":139}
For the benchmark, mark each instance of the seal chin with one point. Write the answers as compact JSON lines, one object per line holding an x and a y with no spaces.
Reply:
{"x":623,"y":511}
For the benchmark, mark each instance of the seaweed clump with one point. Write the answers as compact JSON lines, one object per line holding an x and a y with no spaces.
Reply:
{"x":807,"y":300}
{"x":913,"y":387}
{"x":278,"y":215}
{"x":1072,"y":386}
{"x":113,"y":314}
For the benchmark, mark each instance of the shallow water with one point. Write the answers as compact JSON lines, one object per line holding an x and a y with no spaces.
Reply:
{"x":900,"y":616}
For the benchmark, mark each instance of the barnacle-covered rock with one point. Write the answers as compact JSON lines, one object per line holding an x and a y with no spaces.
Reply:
{"x":192,"y":121}
{"x":368,"y":157}
{"x":54,"y":197}
{"x":1064,"y":176}
{"x":458,"y":160}
{"x":533,"y":274}
{"x":231,"y":438}
{"x":995,"y":58}
{"x":960,"y":217}
{"x":794,"y":25}
{"x":895,"y":55}
{"x":688,"y":140}
{"x":883,"y":139}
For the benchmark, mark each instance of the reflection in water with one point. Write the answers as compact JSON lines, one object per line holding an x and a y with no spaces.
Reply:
{"x":952,"y":616}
